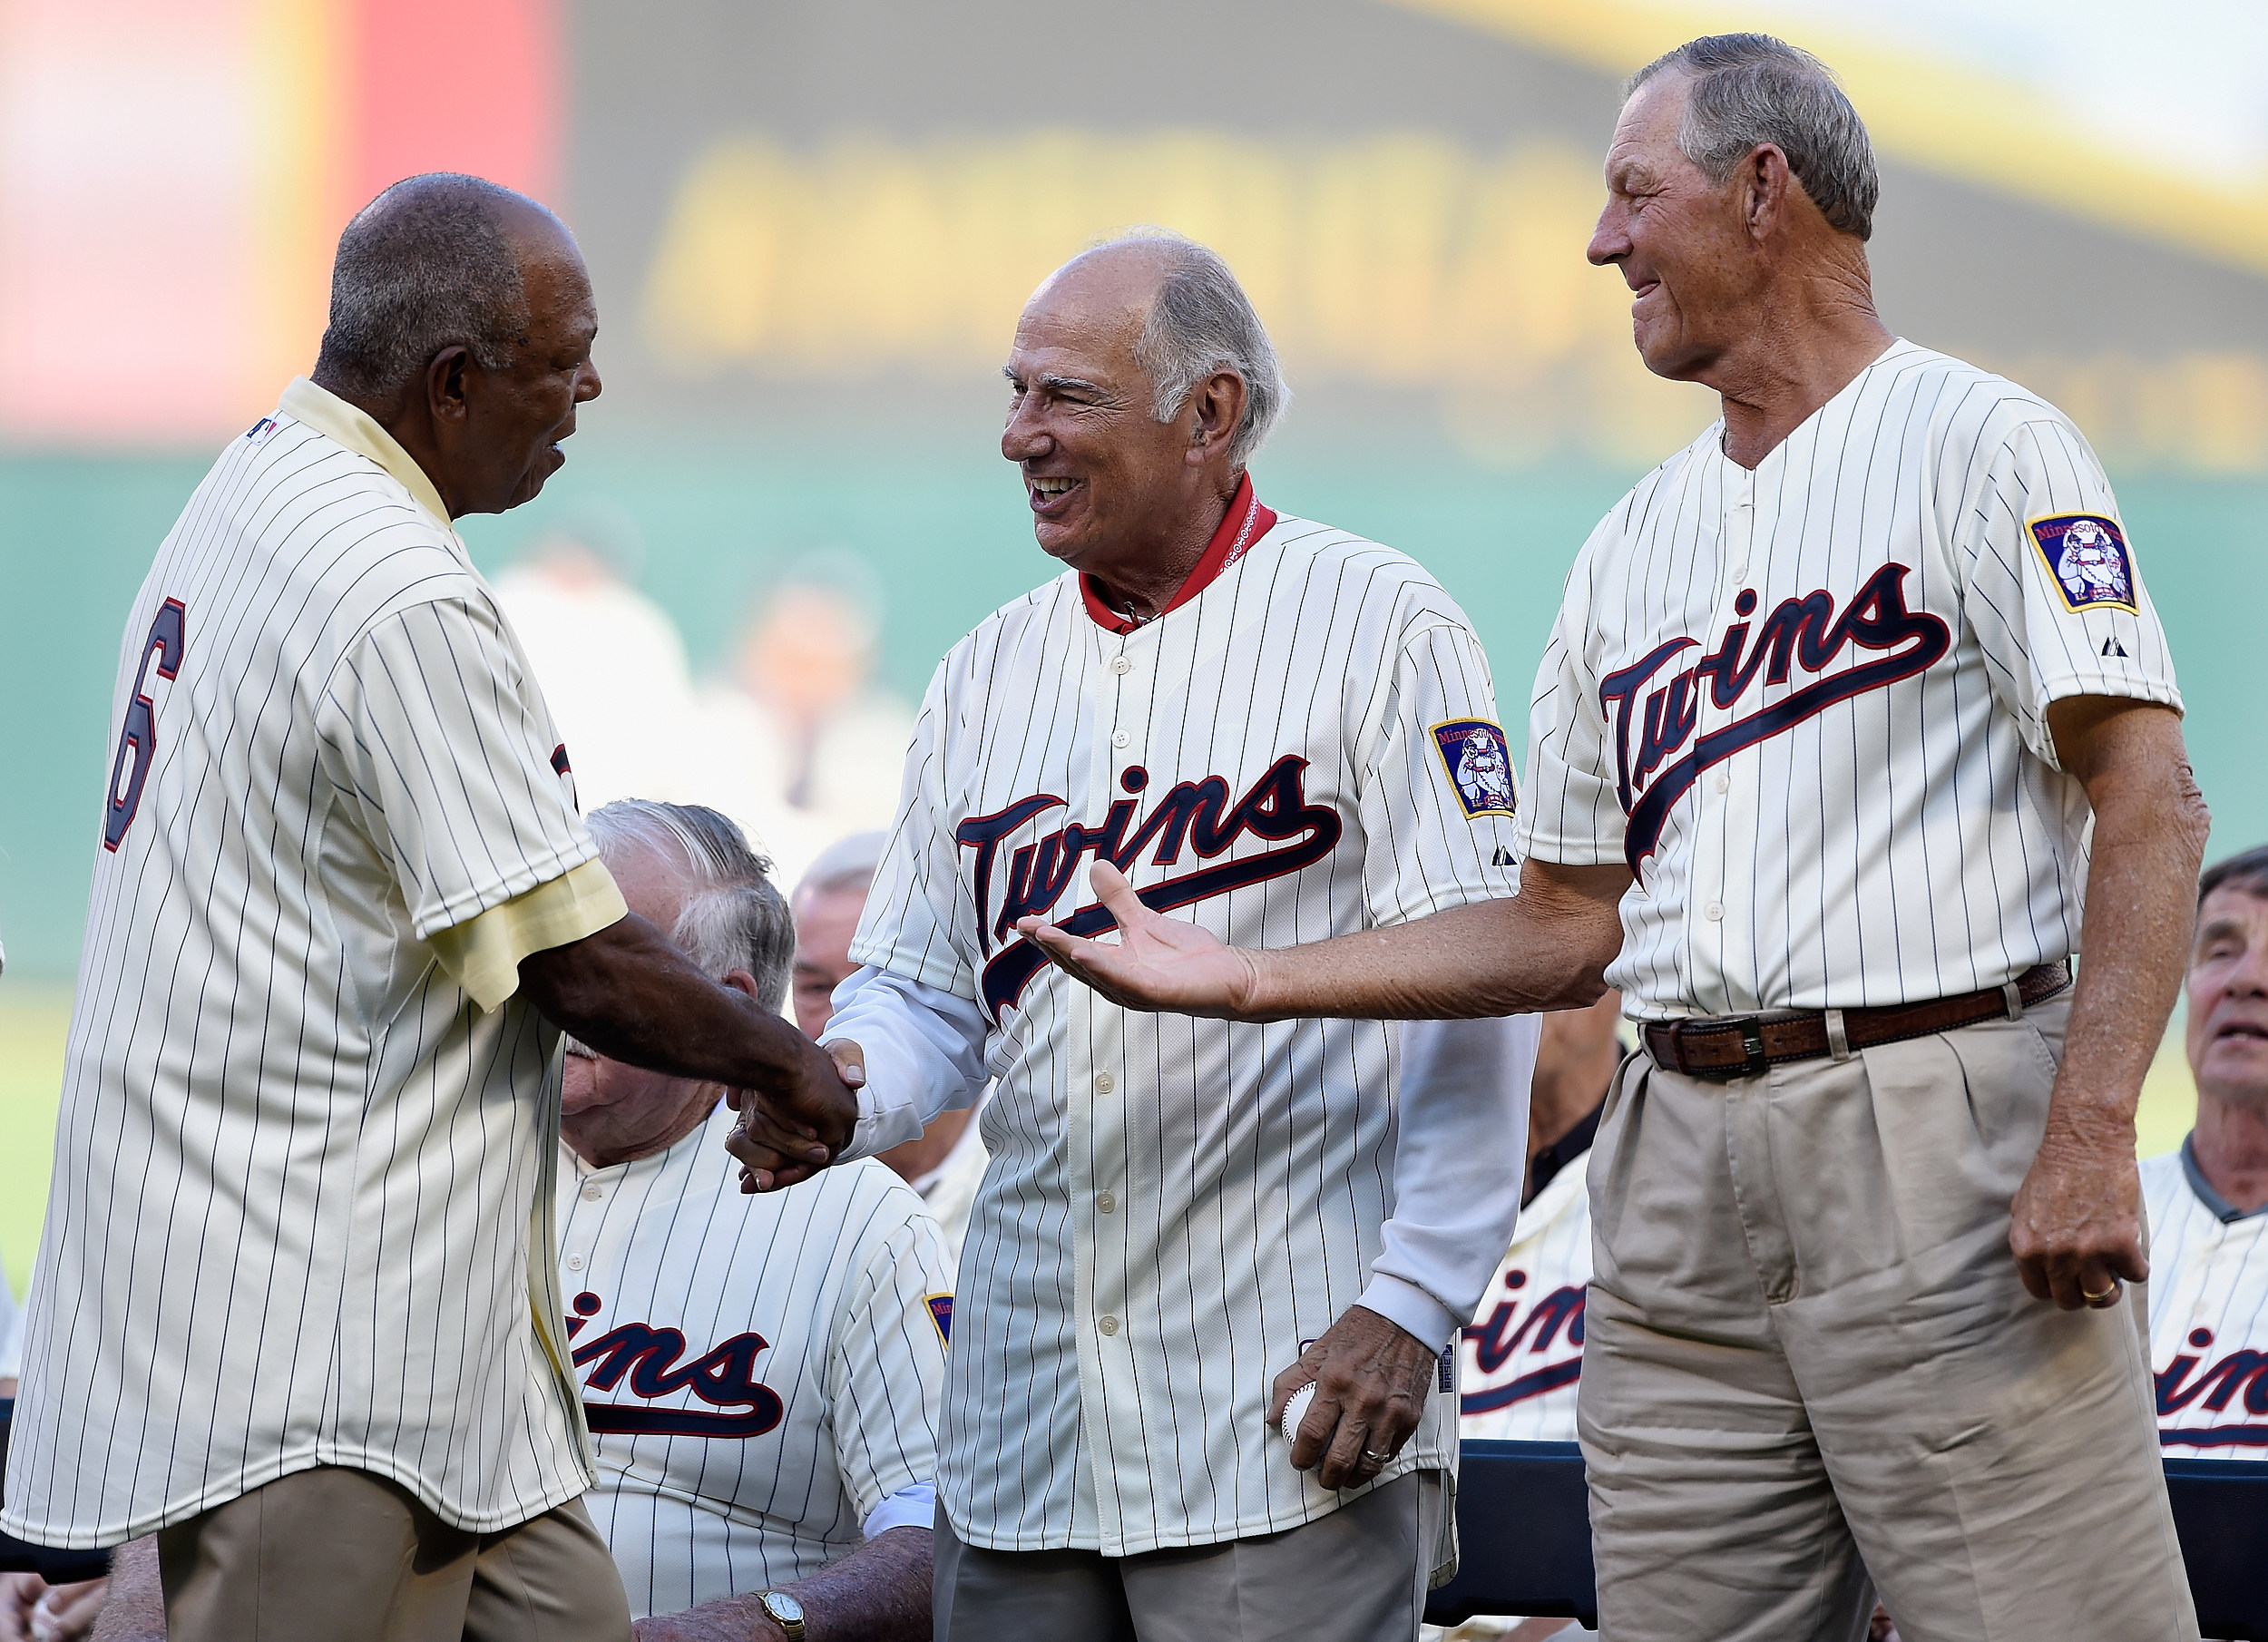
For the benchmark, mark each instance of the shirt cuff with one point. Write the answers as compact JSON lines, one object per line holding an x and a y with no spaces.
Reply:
{"x":483,"y":953}
{"x":912,"y":1506}
{"x":1411,"y":1309}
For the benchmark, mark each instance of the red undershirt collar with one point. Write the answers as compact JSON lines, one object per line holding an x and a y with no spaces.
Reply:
{"x":1244,"y":523}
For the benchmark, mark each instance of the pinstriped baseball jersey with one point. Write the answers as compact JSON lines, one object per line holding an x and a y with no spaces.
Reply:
{"x":760,"y":1371}
{"x":1807,"y":705}
{"x":2208,"y":1315}
{"x":1518,"y":1363}
{"x":298,"y":1176}
{"x":1174,"y":1207}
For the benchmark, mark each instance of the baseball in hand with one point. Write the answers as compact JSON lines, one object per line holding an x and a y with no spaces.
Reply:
{"x":1295,"y":1411}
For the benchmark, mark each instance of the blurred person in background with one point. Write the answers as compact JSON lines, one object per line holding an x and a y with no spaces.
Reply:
{"x":761,"y":1374}
{"x":30,"y":1609}
{"x":800,"y":744}
{"x":612,"y":662}
{"x":947,"y":1164}
{"x":2208,"y":1201}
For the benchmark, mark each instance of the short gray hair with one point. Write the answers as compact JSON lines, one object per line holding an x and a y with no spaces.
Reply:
{"x":426,"y":264}
{"x":1751,"y":89}
{"x":1203,"y":322}
{"x":733,"y":917}
{"x":848,"y":863}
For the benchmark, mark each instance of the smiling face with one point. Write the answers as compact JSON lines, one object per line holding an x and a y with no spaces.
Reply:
{"x":2228,"y":1037}
{"x":1679,"y":239}
{"x":516,"y":416}
{"x":1099,"y":469}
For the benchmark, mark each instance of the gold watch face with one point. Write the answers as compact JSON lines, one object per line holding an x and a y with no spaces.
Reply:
{"x":783,"y":1607}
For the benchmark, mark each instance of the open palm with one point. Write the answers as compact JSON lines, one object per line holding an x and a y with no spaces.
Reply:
{"x":1158,"y":963}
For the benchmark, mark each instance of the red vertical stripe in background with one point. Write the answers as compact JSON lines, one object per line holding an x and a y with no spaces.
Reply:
{"x":459,"y":85}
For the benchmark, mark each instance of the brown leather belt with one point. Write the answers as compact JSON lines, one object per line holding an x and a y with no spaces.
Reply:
{"x":1722,"y":1047}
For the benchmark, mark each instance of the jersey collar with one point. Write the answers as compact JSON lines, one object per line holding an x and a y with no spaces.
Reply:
{"x":359,"y":431}
{"x":1244,"y":523}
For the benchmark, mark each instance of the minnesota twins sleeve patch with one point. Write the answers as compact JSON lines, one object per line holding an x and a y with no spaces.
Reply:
{"x":1479,"y":770}
{"x":2086,"y":555}
{"x":941,"y":1314}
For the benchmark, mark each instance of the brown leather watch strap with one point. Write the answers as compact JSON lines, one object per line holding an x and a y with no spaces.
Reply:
{"x":1744,"y":1046}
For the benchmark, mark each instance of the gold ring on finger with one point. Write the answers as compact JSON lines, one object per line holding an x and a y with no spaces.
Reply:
{"x":2093,"y":1298}
{"x":1375,"y":1458}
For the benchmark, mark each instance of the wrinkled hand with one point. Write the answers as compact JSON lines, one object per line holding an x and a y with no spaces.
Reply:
{"x":1371,"y":1378}
{"x":2076,"y":1226}
{"x":791,"y":1131}
{"x":735,"y":1619}
{"x":1158,"y":963}
{"x":32,"y":1610}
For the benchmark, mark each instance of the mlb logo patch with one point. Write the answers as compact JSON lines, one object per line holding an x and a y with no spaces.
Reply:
{"x":2086,"y":555}
{"x":1476,"y":759}
{"x":257,"y":432}
{"x":941,"y":1314}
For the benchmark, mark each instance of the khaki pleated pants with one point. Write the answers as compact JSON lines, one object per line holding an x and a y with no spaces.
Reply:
{"x":1809,"y":1360}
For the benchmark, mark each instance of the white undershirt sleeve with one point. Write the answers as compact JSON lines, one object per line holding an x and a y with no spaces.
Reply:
{"x":925,"y":1052}
{"x":1457,"y":1170}
{"x":912,"y":1506}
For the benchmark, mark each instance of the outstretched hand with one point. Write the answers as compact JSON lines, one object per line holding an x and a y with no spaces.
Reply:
{"x":791,"y":1129}
{"x":1157,"y":963}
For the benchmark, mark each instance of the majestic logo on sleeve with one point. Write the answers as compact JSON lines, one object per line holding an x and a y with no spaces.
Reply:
{"x":2087,"y":554}
{"x":740,"y":1405}
{"x":1479,"y":769}
{"x":1806,"y":633}
{"x":1194,"y":815}
{"x":2238,"y":1377}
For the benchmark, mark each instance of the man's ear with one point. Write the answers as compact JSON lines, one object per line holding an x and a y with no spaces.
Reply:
{"x":1765,"y":188}
{"x":444,"y":383}
{"x":1219,"y":402}
{"x":740,"y":981}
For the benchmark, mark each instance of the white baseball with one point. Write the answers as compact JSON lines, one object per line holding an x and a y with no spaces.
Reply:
{"x":1295,"y":1411}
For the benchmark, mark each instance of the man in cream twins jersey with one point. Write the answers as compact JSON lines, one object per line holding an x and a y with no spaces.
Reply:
{"x":2208,"y":1202}
{"x":295,"y":1311}
{"x":1849,"y":706}
{"x":761,"y":1374}
{"x":1259,"y":719}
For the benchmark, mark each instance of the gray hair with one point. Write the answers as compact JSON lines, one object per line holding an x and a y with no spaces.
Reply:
{"x":848,"y":863}
{"x":1748,"y":90}
{"x":426,"y":264}
{"x":1203,"y":322}
{"x":732,"y":916}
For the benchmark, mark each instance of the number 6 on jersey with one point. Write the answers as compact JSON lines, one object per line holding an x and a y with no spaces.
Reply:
{"x":139,"y":739}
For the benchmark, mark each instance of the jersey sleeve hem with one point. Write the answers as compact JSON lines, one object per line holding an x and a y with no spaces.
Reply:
{"x":1562,"y":849}
{"x":947,"y":976}
{"x":483,"y":953}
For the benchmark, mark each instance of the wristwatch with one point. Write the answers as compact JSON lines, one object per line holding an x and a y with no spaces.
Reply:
{"x":785,"y":1612}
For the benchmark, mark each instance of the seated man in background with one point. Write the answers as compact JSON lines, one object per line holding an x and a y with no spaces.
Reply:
{"x":2208,"y":1202}
{"x":761,"y":1373}
{"x":948,"y":1161}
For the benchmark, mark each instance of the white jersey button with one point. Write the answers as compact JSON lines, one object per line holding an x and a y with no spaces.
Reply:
{"x":1106,"y":1202}
{"x":1122,"y":665}
{"x":574,"y":1262}
{"x":1108,"y":1326}
{"x":1714,"y":910}
{"x":591,"y":1194}
{"x":1723,"y":781}
{"x":1119,"y":739}
{"x":1105,"y":1083}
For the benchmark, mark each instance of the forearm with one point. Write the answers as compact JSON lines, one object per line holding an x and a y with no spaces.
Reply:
{"x":135,"y":1609}
{"x":2150,"y":826}
{"x":878,"y":1593}
{"x":1546,"y":948}
{"x":632,"y":996}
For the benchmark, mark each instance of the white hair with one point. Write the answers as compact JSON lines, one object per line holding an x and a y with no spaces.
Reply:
{"x":732,"y":916}
{"x":848,"y":864}
{"x":1202,"y":322}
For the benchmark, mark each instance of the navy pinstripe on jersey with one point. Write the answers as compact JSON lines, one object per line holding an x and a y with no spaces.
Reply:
{"x":1807,"y":704}
{"x":1175,"y":1205}
{"x":2208,"y":1319}
{"x":760,"y":1371}
{"x":298,"y":1173}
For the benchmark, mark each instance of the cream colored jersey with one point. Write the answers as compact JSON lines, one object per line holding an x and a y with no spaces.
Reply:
{"x":303,"y":1185}
{"x":2208,"y":1314}
{"x":1807,"y":705}
{"x":761,"y":1372}
{"x":1521,"y":1359}
{"x":1303,"y":746}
